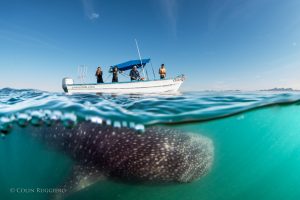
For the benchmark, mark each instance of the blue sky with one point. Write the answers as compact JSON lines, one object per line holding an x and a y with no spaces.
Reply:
{"x":217,"y":44}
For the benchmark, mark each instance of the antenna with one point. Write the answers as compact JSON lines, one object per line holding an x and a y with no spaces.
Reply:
{"x":137,"y":46}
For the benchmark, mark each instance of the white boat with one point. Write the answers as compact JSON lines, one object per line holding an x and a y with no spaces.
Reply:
{"x":132,"y":87}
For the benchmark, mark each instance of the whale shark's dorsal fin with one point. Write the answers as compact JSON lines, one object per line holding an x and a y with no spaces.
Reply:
{"x":80,"y":178}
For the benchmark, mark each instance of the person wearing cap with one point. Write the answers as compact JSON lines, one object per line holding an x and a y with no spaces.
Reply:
{"x":134,"y":74}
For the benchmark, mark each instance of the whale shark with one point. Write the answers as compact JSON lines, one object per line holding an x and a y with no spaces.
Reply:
{"x":157,"y":155}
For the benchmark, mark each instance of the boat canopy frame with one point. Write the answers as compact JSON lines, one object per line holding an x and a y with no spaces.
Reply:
{"x":130,"y":64}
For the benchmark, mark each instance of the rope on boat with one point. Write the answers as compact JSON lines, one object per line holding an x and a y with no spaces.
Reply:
{"x":152,"y":69}
{"x":106,"y":78}
{"x":127,"y":76}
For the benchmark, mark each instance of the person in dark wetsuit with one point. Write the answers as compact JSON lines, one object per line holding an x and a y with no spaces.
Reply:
{"x":115,"y":74}
{"x":99,"y":74}
{"x":134,"y":74}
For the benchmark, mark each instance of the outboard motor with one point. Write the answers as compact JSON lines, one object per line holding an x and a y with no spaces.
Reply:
{"x":65,"y":82}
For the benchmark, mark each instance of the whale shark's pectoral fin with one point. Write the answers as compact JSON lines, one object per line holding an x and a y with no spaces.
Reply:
{"x":81,"y":177}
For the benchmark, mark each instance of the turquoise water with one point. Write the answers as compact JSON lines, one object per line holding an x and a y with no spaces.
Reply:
{"x":256,"y":140}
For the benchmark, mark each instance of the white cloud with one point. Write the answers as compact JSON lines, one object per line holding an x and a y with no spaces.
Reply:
{"x":89,"y":9}
{"x":170,"y":7}
{"x":26,"y":38}
{"x":94,"y":16}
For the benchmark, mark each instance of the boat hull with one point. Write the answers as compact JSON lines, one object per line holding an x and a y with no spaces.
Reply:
{"x":134,"y":87}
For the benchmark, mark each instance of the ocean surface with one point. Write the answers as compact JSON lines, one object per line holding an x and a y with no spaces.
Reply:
{"x":256,"y":137}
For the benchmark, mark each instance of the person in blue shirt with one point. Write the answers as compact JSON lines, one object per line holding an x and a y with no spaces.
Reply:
{"x":134,"y":74}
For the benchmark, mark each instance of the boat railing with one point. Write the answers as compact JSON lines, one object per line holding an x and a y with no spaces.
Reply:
{"x":180,"y":77}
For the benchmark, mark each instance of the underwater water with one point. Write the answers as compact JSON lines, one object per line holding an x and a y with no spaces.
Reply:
{"x":256,"y":140}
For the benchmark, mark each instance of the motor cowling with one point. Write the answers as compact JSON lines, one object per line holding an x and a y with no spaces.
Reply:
{"x":65,"y":82}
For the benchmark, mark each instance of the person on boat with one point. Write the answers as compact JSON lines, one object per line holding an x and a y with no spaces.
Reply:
{"x":162,"y":71}
{"x":115,"y":74}
{"x":99,"y":74}
{"x":134,"y":74}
